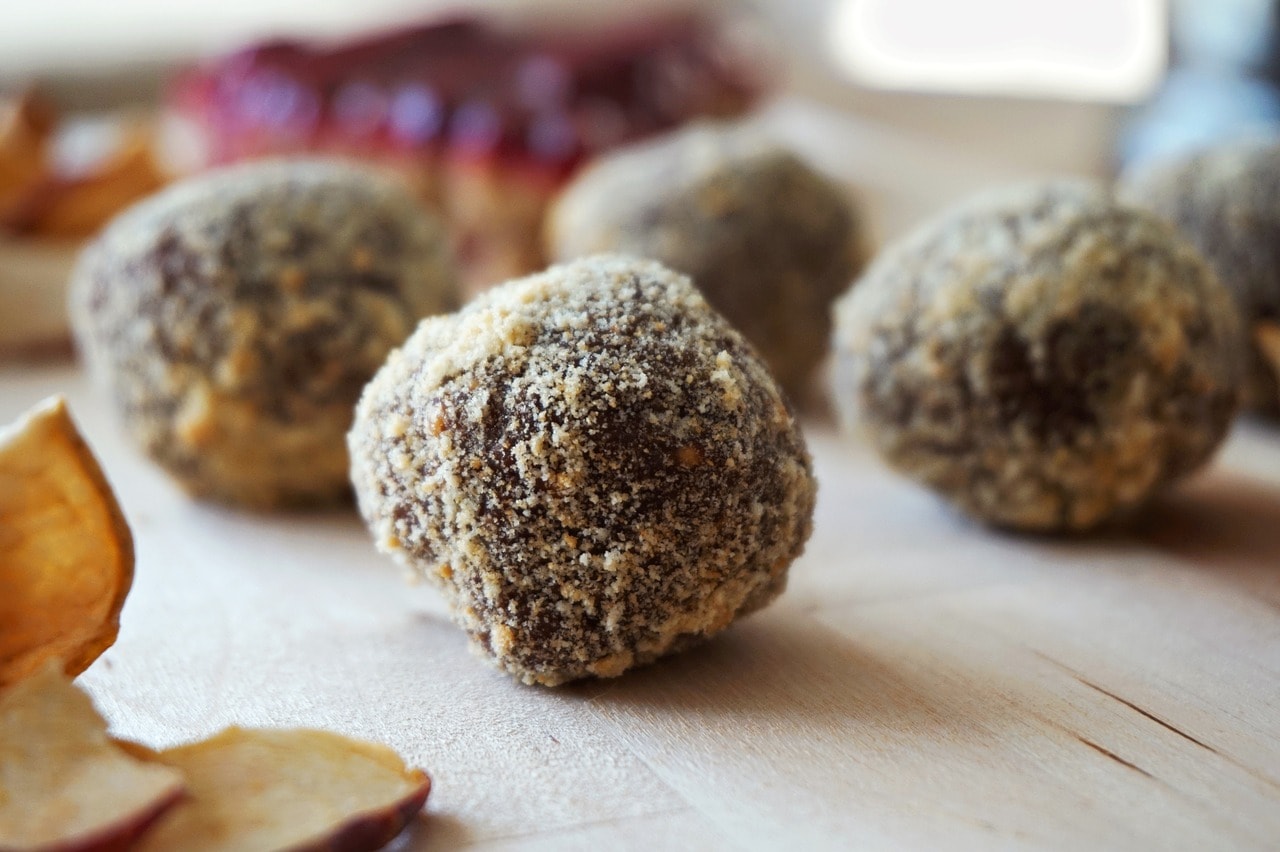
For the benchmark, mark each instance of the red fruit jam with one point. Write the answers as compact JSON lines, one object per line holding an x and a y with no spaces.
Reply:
{"x":468,"y":88}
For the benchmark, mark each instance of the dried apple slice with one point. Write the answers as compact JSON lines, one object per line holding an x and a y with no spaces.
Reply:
{"x":66,"y":553}
{"x":71,"y":208}
{"x":26,"y":123}
{"x":63,"y":784}
{"x":287,"y":789}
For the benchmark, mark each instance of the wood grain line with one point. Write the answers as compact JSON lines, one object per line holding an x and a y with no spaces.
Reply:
{"x":1248,"y":770}
{"x":1111,"y":754}
{"x":1135,"y":708}
{"x":1102,"y":750}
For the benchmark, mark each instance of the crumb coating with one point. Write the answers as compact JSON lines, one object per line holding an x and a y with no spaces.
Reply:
{"x":1042,"y":357}
{"x":1226,"y":200}
{"x":591,"y":463}
{"x":235,"y":318}
{"x":769,"y":241}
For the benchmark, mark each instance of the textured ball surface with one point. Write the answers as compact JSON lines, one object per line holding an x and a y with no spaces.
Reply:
{"x":768,"y":241}
{"x":591,"y":463}
{"x":1226,"y":201}
{"x":236,"y":316}
{"x":1043,"y":357}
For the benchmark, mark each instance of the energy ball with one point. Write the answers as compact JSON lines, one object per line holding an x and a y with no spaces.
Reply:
{"x":1226,"y":200}
{"x":594,"y":467}
{"x":235,"y":318}
{"x":768,"y":241}
{"x":1044,"y":358}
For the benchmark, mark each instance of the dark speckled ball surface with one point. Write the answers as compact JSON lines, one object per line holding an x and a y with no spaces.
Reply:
{"x":1042,"y":357}
{"x":1226,"y":201}
{"x":769,"y":241}
{"x":590,"y":463}
{"x":234,"y":318}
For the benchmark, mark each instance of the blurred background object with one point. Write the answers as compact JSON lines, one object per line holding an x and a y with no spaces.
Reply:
{"x":483,"y":116}
{"x":1106,"y":50}
{"x":961,"y":74}
{"x":1221,"y":84}
{"x":1024,"y":88}
{"x":911,"y":103}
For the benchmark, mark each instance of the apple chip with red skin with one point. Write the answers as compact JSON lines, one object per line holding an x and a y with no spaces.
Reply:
{"x":64,"y":785}
{"x":287,"y":789}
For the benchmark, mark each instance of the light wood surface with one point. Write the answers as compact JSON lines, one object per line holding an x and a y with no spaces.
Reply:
{"x":924,"y":684}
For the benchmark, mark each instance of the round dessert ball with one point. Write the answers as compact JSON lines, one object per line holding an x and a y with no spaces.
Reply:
{"x":235,"y":317}
{"x":1042,"y":357}
{"x":768,"y":241}
{"x":1226,"y":200}
{"x":591,"y":463}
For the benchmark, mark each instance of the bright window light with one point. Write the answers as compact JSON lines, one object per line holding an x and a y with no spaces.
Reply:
{"x":1110,"y":50}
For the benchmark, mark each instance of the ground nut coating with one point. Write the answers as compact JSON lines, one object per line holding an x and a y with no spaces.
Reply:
{"x":769,"y":242}
{"x":1043,"y":357}
{"x":593,"y":465}
{"x":1226,"y":201}
{"x":235,"y":317}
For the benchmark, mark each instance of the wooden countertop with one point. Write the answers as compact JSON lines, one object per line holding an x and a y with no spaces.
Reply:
{"x":924,"y":684}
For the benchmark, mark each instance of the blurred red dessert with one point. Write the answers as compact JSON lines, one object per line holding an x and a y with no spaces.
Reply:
{"x":487,"y":121}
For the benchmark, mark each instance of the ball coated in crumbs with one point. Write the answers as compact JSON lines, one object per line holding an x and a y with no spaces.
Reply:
{"x":770,"y":242}
{"x":593,"y":466}
{"x":236,"y":316}
{"x":1042,"y":357}
{"x":1226,"y":200}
